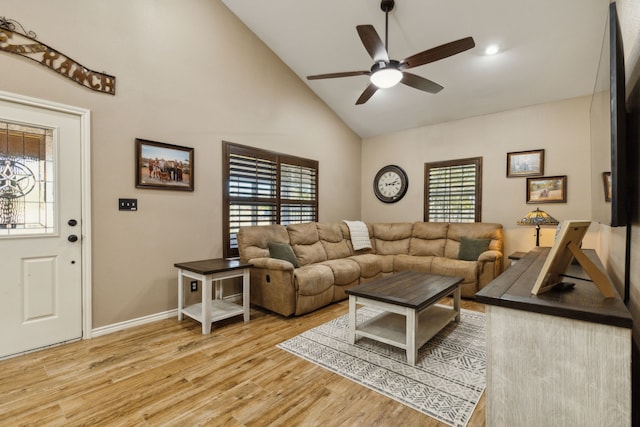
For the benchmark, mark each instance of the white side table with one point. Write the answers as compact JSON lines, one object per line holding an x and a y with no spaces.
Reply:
{"x":210,"y":272}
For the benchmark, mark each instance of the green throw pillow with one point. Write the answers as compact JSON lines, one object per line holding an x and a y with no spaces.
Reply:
{"x":284,"y":252}
{"x":470,"y":249}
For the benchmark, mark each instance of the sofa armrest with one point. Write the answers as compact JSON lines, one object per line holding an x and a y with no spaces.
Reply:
{"x":271,"y":264}
{"x":490,"y":266}
{"x":489,"y":256}
{"x":273,"y":285}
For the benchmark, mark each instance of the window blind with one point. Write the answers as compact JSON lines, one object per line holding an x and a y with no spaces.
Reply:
{"x":263,"y":187}
{"x":453,"y":191}
{"x":297,"y":194}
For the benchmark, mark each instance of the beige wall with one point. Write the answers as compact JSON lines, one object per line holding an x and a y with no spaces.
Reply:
{"x":188,"y":73}
{"x":560,"y":128}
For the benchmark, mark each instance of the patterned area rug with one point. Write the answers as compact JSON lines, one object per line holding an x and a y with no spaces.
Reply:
{"x":446,"y":383}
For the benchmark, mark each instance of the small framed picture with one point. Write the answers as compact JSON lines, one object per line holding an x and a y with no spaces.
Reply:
{"x":525,"y":163}
{"x":163,"y":166}
{"x":547,"y":189}
{"x":606,"y":182}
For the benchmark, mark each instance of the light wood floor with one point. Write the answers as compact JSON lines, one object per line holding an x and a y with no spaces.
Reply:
{"x":168,"y":373}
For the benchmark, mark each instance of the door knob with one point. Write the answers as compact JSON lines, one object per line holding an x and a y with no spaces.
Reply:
{"x":72,"y":222}
{"x":72,"y":238}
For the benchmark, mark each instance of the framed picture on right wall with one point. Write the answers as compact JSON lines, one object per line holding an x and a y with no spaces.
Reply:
{"x":547,"y":189}
{"x":525,"y":163}
{"x":606,"y":182}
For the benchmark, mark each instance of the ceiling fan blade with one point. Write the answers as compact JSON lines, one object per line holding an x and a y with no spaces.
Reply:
{"x":334,"y":75}
{"x":437,"y":53}
{"x":368,"y":93}
{"x":420,"y":83}
{"x":372,"y":42}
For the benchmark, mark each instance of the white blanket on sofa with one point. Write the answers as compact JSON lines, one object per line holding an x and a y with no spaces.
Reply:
{"x":359,"y":235}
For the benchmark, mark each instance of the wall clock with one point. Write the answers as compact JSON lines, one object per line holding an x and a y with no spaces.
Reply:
{"x":390,"y":184}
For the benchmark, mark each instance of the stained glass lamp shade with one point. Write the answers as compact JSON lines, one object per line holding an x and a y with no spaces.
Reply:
{"x":538,"y":218}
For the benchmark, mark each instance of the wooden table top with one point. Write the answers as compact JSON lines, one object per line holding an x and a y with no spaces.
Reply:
{"x":210,"y":266}
{"x":408,"y":289}
{"x":513,"y":287}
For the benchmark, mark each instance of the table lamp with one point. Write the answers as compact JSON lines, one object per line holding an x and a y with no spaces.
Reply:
{"x":538,"y":218}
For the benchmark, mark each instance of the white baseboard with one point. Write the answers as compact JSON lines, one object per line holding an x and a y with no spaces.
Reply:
{"x":104,"y":330}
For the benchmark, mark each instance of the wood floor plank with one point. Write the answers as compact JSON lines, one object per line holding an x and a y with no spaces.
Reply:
{"x":167,"y":373}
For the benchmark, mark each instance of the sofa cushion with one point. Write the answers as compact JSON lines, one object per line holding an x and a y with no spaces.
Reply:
{"x":476,"y":230}
{"x":392,"y":238}
{"x":314,"y":284}
{"x":346,"y":274}
{"x":306,"y":243}
{"x":305,"y":233}
{"x":284,"y":252}
{"x":456,"y":268}
{"x":372,"y":265}
{"x":252,"y":240}
{"x":310,"y":254}
{"x":346,"y":233}
{"x":336,"y":250}
{"x":428,"y":238}
{"x":334,"y":243}
{"x":313,"y":279}
{"x":470,"y":249}
{"x":345,"y":271}
{"x":330,"y":232}
{"x":412,"y":263}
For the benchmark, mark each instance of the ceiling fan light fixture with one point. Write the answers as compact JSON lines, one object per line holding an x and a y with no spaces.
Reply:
{"x":492,"y":49}
{"x":385,"y":75}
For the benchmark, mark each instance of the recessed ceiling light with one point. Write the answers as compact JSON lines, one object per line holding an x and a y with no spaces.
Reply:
{"x":492,"y":49}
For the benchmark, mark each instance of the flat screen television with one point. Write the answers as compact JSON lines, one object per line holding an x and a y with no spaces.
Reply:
{"x":609,"y":185}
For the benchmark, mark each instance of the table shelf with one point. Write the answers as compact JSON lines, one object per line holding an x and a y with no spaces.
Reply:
{"x":219,"y":309}
{"x":390,"y":328}
{"x":211,"y":272}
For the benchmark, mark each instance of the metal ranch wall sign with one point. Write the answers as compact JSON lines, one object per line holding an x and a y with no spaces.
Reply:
{"x":23,"y":43}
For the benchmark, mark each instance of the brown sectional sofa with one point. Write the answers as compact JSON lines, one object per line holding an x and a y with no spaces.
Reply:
{"x":328,"y":265}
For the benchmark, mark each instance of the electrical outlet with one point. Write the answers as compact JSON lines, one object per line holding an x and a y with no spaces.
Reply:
{"x":194,"y":285}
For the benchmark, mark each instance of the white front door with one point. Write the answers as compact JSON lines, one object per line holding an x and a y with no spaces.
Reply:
{"x":40,"y":227}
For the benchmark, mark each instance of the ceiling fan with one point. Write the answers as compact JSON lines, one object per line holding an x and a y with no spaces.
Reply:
{"x":387,"y":72}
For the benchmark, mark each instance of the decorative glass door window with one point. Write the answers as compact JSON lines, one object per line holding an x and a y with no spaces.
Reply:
{"x":27,"y":184}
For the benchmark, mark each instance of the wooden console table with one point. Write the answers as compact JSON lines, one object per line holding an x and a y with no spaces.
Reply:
{"x":208,"y":272}
{"x":558,"y":358}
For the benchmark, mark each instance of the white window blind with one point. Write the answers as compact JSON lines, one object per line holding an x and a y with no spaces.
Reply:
{"x":453,"y":190}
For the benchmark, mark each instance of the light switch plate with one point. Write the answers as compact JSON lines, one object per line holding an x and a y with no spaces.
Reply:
{"x":128,"y":204}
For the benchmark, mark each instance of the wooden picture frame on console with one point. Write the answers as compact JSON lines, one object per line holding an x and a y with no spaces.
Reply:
{"x":565,"y":247}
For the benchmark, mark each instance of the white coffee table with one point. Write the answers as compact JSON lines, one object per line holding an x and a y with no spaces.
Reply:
{"x":411,"y":316}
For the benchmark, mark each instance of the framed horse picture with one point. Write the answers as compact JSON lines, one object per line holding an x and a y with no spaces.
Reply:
{"x":163,"y":166}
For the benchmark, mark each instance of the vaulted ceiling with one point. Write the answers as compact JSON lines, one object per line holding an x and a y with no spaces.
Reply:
{"x":549,"y":50}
